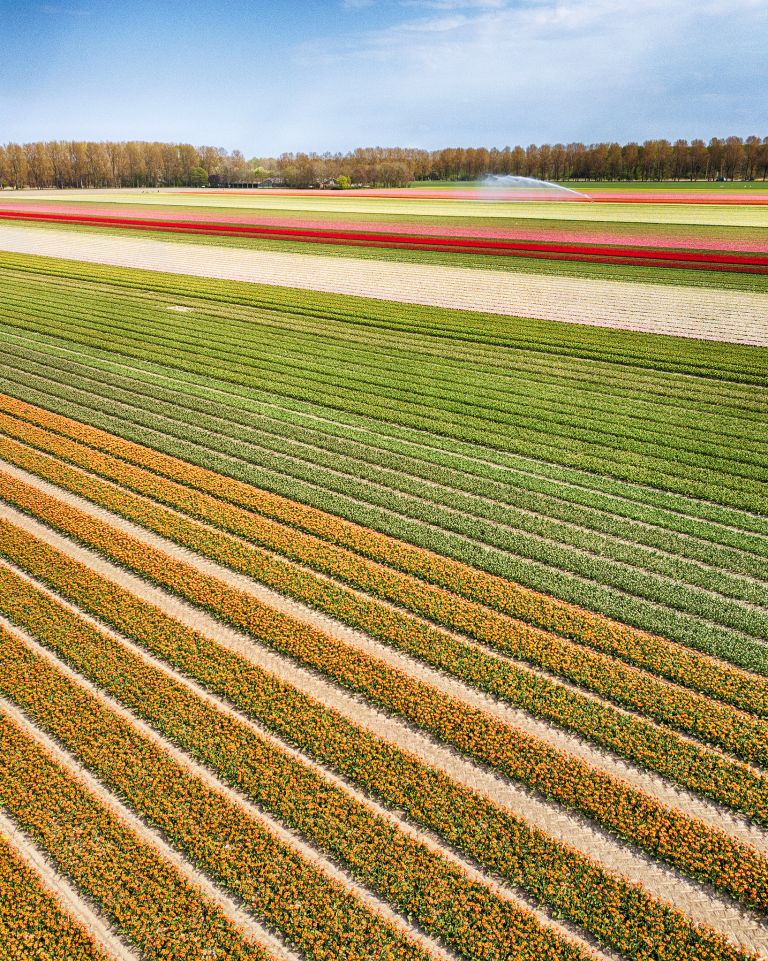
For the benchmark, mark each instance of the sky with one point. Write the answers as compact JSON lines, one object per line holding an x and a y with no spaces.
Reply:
{"x":266,"y":77}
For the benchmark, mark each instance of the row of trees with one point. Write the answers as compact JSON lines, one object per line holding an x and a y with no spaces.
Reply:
{"x":135,"y":163}
{"x":733,"y":158}
{"x":64,"y":163}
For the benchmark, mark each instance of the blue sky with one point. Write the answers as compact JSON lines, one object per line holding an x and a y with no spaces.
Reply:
{"x":267,"y":76}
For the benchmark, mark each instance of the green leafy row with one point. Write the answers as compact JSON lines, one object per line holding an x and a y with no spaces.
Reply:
{"x":648,"y":745}
{"x":648,"y":351}
{"x":692,"y":616}
{"x":722,"y":480}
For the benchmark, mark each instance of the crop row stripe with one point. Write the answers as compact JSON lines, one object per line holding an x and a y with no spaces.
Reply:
{"x":547,"y":548}
{"x":497,"y":246}
{"x":425,"y":332}
{"x":729,"y":728}
{"x":656,"y":654}
{"x":564,"y":392}
{"x":143,"y":341}
{"x":374,"y":448}
{"x":633,"y":597}
{"x":139,"y":890}
{"x":318,"y":914}
{"x":522,"y":374}
{"x":689,"y":844}
{"x":659,"y":789}
{"x":687,"y":762}
{"x":389,"y":397}
{"x":437,"y":893}
{"x":568,"y":496}
{"x":77,"y":684}
{"x":271,"y":792}
{"x":408,"y":386}
{"x":42,"y":918}
{"x":715,"y":362}
{"x":554,"y":872}
{"x":233,"y":911}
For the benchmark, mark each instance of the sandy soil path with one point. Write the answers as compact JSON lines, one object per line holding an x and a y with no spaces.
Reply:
{"x":653,"y":784}
{"x":229,"y":907}
{"x":432,"y":842}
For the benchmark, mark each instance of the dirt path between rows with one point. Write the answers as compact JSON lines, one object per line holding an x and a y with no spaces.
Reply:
{"x":245,"y":807}
{"x":432,"y":842}
{"x":651,"y":783}
{"x":193,"y":875}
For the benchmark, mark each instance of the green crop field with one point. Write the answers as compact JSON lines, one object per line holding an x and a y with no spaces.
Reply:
{"x":356,"y":605}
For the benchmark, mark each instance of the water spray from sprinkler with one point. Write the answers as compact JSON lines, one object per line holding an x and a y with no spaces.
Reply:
{"x":526,"y":188}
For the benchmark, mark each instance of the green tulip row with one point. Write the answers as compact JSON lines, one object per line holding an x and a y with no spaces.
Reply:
{"x":566,"y":453}
{"x":667,"y":356}
{"x":696,"y":616}
{"x":618,"y":640}
{"x":732,"y":484}
{"x":655,"y":748}
{"x":558,"y":506}
{"x":536,"y":542}
{"x":446,"y":387}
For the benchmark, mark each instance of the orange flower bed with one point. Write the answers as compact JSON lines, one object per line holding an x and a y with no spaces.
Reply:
{"x":692,"y":846}
{"x":419,"y":882}
{"x":33,"y":924}
{"x":141,"y":893}
{"x":658,"y":655}
{"x":658,"y":749}
{"x":319,"y":915}
{"x":616,"y":912}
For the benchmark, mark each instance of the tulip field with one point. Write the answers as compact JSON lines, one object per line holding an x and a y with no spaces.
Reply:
{"x":366,"y":604}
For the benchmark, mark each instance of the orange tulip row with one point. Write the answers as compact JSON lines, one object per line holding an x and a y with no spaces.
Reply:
{"x":143,"y":895}
{"x":619,"y":914}
{"x":317,"y":914}
{"x":742,"y":734}
{"x":693,"y":766}
{"x":686,"y":843}
{"x":440,"y":897}
{"x":682,"y":665}
{"x":33,"y":925}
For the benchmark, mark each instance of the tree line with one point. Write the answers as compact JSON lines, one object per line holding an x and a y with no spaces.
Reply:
{"x":733,"y":158}
{"x":63,"y":163}
{"x":134,"y":163}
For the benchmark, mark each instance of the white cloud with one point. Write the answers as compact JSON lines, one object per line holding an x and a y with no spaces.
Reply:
{"x":534,"y":70}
